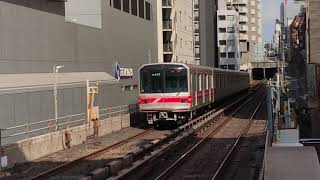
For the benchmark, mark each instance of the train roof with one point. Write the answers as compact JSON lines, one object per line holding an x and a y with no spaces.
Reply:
{"x":193,"y":66}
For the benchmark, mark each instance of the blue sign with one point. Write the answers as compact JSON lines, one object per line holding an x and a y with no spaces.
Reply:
{"x":117,"y":71}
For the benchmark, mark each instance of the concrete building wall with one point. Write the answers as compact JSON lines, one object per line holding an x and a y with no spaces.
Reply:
{"x":184,"y":31}
{"x":208,"y":33}
{"x":35,"y":37}
{"x":250,"y":21}
{"x":313,"y":31}
{"x":228,"y":39}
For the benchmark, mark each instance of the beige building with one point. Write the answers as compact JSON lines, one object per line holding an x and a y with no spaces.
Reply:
{"x":250,"y":28}
{"x":175,"y":31}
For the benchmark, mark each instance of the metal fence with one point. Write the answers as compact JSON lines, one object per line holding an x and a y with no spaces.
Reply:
{"x":24,"y":131}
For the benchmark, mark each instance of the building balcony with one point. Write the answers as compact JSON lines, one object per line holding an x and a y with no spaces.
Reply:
{"x":243,"y":9}
{"x":196,"y":6}
{"x":244,"y":37}
{"x":197,"y":42}
{"x":243,"y":19}
{"x":167,"y":25}
{"x":196,"y":18}
{"x":167,"y":3}
{"x":197,"y":55}
{"x":240,"y":2}
{"x":168,"y":48}
{"x":243,"y":28}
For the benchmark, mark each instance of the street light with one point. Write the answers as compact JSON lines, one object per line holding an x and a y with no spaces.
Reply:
{"x":55,"y":93}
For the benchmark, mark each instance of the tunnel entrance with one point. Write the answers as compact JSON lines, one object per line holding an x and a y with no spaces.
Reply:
{"x":270,"y":72}
{"x":257,"y":73}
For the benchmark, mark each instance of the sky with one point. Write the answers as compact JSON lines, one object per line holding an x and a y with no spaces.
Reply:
{"x":270,"y":12}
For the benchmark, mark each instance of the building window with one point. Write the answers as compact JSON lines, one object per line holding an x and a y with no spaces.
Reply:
{"x":148,"y":11}
{"x":231,"y":55}
{"x":224,"y":67}
{"x":222,"y":42}
{"x":181,"y":43}
{"x":253,"y":20}
{"x":111,"y":3}
{"x":126,"y":6}
{"x":230,"y":29}
{"x":222,"y":18}
{"x":232,"y":67}
{"x":222,"y":30}
{"x":231,"y":42}
{"x":180,"y":16}
{"x":141,"y":8}
{"x":223,"y":55}
{"x":253,"y":38}
{"x":230,"y":17}
{"x":117,"y":4}
{"x":134,"y":7}
{"x":253,"y":28}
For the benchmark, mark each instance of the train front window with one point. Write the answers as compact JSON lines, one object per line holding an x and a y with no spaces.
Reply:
{"x":176,"y":80}
{"x":151,"y":81}
{"x":163,"y":79}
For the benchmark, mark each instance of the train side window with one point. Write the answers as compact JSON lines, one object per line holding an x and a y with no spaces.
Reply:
{"x":194,"y":82}
{"x":210,"y":82}
{"x":199,"y":83}
{"x":207,"y":81}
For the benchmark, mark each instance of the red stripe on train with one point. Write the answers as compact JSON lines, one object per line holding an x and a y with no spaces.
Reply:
{"x":165,"y":100}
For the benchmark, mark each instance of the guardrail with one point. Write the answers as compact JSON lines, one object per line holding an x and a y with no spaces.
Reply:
{"x":28,"y":130}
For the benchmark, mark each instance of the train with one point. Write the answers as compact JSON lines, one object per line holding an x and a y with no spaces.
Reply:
{"x":177,"y":92}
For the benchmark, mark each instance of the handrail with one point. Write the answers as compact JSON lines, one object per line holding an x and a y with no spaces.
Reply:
{"x":62,"y":121}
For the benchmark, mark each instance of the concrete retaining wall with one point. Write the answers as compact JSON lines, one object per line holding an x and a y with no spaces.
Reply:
{"x":40,"y":146}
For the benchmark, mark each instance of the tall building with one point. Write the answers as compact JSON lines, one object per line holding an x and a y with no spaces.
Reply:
{"x":176,"y":31}
{"x":205,"y":23}
{"x":228,"y":39}
{"x":250,"y":24}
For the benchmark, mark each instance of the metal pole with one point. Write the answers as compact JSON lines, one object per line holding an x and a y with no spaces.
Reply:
{"x":55,"y":94}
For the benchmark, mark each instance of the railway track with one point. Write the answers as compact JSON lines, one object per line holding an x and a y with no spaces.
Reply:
{"x":167,"y":156}
{"x":81,"y":167}
{"x":124,"y":146}
{"x":190,"y":163}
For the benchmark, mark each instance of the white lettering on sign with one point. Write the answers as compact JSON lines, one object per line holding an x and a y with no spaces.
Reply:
{"x":126,"y":72}
{"x":4,"y":161}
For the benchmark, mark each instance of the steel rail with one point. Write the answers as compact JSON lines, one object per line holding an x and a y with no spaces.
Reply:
{"x":235,"y":144}
{"x":70,"y":164}
{"x":166,"y":172}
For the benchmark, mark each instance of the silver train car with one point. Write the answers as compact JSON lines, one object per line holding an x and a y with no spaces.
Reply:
{"x":178,"y":92}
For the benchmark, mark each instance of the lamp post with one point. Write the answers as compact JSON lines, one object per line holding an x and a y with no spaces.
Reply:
{"x":55,"y":93}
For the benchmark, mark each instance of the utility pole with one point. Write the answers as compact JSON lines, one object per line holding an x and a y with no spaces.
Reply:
{"x":55,"y":93}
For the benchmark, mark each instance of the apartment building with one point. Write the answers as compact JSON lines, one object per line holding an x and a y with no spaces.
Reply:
{"x":176,"y":31}
{"x":250,"y":27}
{"x":228,"y":39}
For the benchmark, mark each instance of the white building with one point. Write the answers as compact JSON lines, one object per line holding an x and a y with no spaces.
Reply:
{"x":175,"y":31}
{"x":228,"y":39}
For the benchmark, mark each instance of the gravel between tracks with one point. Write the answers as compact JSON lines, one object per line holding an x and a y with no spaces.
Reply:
{"x":27,"y":170}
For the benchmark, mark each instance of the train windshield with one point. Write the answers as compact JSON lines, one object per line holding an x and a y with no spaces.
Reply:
{"x":163,"y":79}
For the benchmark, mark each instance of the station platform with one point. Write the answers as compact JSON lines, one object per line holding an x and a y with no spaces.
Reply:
{"x":291,"y":163}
